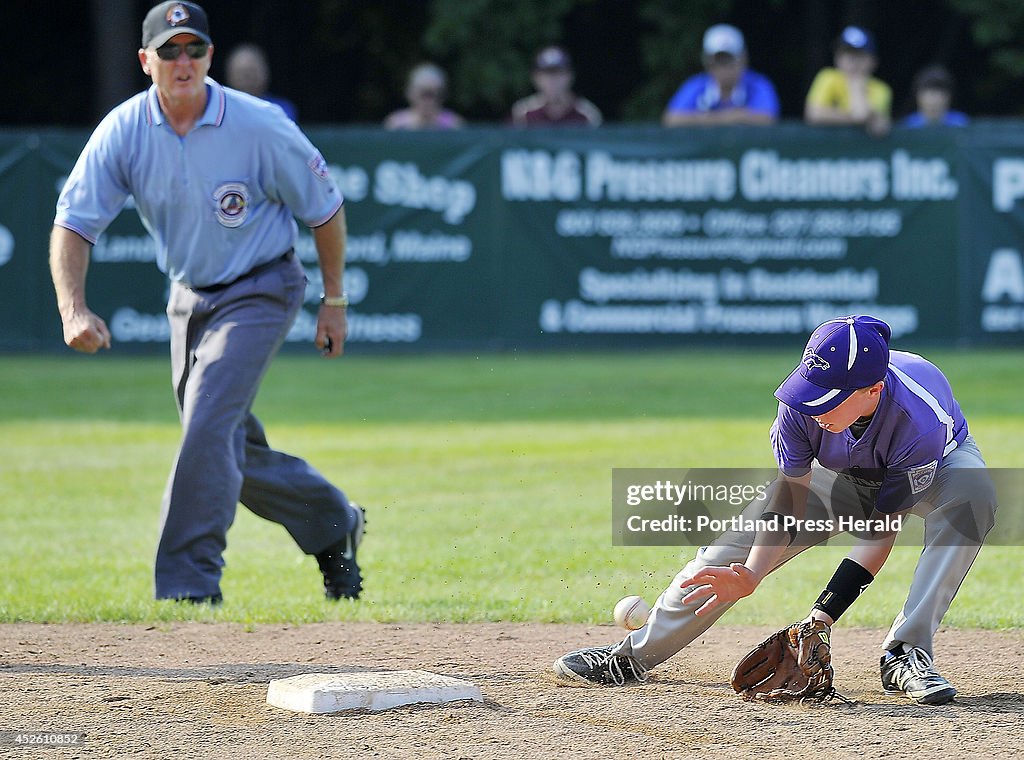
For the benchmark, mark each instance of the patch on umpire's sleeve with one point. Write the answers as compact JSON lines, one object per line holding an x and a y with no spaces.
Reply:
{"x":922,"y":477}
{"x":319,"y":166}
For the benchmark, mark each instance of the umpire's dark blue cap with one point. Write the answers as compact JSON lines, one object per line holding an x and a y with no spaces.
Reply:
{"x":168,"y":19}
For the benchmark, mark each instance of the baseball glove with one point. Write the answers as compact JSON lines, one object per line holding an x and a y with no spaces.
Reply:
{"x":792,"y":664}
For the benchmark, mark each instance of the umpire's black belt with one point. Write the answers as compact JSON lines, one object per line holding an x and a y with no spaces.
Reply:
{"x":258,"y":269}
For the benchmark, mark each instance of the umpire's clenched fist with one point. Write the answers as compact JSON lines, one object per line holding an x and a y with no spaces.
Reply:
{"x":85,"y":332}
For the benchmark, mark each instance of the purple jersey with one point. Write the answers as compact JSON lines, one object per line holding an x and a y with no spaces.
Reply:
{"x":917,"y":423}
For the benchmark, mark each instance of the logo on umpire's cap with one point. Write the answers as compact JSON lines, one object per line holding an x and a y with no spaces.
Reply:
{"x":177,"y":15}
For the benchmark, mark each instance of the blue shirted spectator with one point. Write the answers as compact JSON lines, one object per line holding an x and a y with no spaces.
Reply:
{"x":248,"y":70}
{"x":933,"y":90}
{"x":727,"y":92}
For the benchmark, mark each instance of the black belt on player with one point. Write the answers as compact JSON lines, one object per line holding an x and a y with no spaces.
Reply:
{"x":258,"y":269}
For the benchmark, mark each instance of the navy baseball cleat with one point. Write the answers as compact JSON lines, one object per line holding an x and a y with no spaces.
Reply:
{"x":598,"y":665}
{"x":910,"y":671}
{"x":342,"y":577}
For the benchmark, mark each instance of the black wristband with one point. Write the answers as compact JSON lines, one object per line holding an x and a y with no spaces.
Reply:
{"x":848,"y":582}
{"x":769,"y":516}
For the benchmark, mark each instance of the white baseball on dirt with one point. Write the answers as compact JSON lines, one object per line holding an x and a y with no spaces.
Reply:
{"x":631,"y":612}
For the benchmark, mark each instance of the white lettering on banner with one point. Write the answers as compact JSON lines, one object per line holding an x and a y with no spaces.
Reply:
{"x":654,"y":180}
{"x":1004,"y":277}
{"x":756,"y":285}
{"x":644,"y":285}
{"x":353,"y":182}
{"x":536,"y":175}
{"x":402,"y":184}
{"x":411,"y":245}
{"x":589,"y":222}
{"x":798,"y":284}
{"x":747,"y":250}
{"x":6,"y":245}
{"x":369,"y":249}
{"x":130,"y":326}
{"x":618,"y":319}
{"x":405,"y":246}
{"x":804,"y":223}
{"x":1003,"y":292}
{"x":1007,"y":183}
{"x":764,"y":176}
{"x":920,"y":179}
{"x":363,"y":328}
{"x":118,"y":249}
{"x":997,"y":319}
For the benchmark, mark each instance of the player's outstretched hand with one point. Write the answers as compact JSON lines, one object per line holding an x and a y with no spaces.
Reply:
{"x":86,"y":332}
{"x":719,"y":585}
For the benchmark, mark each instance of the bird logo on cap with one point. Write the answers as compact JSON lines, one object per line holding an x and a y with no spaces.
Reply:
{"x":811,"y":360}
{"x":177,"y":15}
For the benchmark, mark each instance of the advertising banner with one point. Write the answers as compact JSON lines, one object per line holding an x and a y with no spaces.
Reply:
{"x":492,"y":238}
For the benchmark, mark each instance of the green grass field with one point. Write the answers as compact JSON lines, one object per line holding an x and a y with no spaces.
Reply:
{"x":487,"y":483}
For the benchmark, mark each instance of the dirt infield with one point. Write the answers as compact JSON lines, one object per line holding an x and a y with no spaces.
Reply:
{"x":199,"y":690}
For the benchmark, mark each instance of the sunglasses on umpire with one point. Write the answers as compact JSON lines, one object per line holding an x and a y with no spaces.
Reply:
{"x":171,"y":52}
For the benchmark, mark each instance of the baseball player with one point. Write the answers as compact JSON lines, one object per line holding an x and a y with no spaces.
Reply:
{"x":217,"y":176}
{"x":864,"y":432}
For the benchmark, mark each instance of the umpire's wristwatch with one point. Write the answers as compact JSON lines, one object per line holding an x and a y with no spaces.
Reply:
{"x":339,"y":301}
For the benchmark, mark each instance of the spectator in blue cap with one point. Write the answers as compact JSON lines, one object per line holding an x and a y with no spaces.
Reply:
{"x":726,"y":92}
{"x":849,"y":94}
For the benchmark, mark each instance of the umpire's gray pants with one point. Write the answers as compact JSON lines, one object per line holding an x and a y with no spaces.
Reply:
{"x":958,"y":510}
{"x":222,"y":342}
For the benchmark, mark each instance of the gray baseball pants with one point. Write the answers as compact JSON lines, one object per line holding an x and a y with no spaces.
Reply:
{"x":222,"y":342}
{"x":958,"y":510}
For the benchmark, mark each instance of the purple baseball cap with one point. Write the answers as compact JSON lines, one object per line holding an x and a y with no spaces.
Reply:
{"x":842,"y":356}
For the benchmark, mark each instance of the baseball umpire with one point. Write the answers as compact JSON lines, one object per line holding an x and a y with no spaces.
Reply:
{"x":216,"y":176}
{"x":861,"y":431}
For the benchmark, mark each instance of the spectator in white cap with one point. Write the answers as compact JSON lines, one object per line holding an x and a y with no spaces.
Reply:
{"x":848,"y":94}
{"x":554,"y":104}
{"x":726,"y":92}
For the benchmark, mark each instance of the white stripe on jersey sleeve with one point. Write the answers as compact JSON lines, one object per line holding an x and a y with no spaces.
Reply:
{"x":914,"y":387}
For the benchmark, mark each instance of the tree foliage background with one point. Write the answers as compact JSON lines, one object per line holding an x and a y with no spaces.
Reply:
{"x":345,"y":61}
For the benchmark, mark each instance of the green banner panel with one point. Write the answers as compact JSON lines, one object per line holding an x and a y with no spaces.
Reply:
{"x":991,"y":264}
{"x":648,"y":236}
{"x":497,"y":238}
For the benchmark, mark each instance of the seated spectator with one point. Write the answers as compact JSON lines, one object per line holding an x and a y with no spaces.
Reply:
{"x":554,"y":104}
{"x":727,"y":92}
{"x":425,"y":90}
{"x":933,"y":92}
{"x":247,"y":70}
{"x":848,"y":94}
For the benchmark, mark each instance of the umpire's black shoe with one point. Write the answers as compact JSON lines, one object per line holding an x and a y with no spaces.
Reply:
{"x":598,"y":665}
{"x":909,"y":670}
{"x":342,"y":578}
